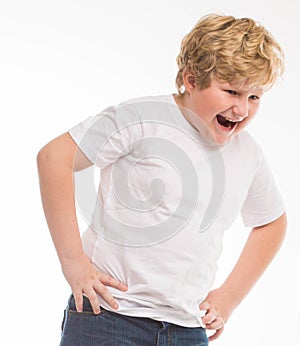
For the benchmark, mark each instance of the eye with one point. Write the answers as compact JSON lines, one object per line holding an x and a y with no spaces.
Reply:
{"x":231,"y":92}
{"x":254,"y":97}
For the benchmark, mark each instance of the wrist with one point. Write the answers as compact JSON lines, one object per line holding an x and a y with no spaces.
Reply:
{"x":70,"y":257}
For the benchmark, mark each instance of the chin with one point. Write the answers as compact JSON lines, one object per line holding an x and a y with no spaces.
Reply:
{"x":220,"y":139}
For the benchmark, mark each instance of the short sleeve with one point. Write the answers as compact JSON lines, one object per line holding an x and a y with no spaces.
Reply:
{"x":264,"y":202}
{"x":105,"y":137}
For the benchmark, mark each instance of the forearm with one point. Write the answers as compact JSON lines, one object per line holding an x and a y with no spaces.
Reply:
{"x":260,"y":248}
{"x":57,"y":193}
{"x":56,"y":163}
{"x":262,"y":245}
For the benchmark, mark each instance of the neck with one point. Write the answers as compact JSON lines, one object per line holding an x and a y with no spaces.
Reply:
{"x":182,"y":103}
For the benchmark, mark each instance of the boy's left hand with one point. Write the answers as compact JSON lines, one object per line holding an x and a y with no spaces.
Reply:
{"x":215,"y":316}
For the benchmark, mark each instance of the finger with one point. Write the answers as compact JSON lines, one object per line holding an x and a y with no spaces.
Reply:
{"x":215,"y":324}
{"x":205,"y":305}
{"x":216,"y":334}
{"x":78,"y":300}
{"x":106,"y":295}
{"x":209,"y":317}
{"x":112,"y":282}
{"x":92,"y":297}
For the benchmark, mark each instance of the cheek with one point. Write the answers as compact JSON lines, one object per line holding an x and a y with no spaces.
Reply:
{"x":203,"y":112}
{"x":208,"y":110}
{"x":253,"y":110}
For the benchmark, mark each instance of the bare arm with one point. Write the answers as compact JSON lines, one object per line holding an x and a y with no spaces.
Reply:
{"x":56,"y":163}
{"x":262,"y":245}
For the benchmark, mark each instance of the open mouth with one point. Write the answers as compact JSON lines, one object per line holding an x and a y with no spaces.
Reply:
{"x":229,"y":124}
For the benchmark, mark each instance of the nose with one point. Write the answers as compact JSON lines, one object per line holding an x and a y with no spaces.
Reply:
{"x":241,"y":108}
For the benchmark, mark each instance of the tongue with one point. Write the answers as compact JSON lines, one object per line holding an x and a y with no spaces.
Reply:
{"x":222,"y":121}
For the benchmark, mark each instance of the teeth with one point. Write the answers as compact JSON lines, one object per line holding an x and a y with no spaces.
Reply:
{"x":233,"y":121}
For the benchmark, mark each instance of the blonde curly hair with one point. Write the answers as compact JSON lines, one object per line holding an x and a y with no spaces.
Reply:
{"x":231,"y":50}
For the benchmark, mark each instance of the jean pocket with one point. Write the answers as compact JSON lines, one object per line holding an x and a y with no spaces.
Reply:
{"x":64,"y":320}
{"x":87,"y":309}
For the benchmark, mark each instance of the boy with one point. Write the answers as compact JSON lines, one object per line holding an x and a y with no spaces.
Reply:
{"x":176,"y":171}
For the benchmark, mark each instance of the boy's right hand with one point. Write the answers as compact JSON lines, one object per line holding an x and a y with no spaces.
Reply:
{"x":83,"y":278}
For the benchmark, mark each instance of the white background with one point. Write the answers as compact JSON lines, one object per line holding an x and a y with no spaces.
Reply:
{"x":62,"y":61}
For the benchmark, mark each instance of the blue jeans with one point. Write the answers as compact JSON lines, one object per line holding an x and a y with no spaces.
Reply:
{"x":113,"y":329}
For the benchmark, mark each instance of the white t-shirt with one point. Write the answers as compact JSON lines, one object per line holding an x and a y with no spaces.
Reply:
{"x":165,"y":198}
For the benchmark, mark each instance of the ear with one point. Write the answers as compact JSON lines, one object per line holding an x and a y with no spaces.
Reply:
{"x":189,"y":81}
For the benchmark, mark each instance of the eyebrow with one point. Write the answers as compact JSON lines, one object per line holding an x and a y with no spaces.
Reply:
{"x":256,"y":90}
